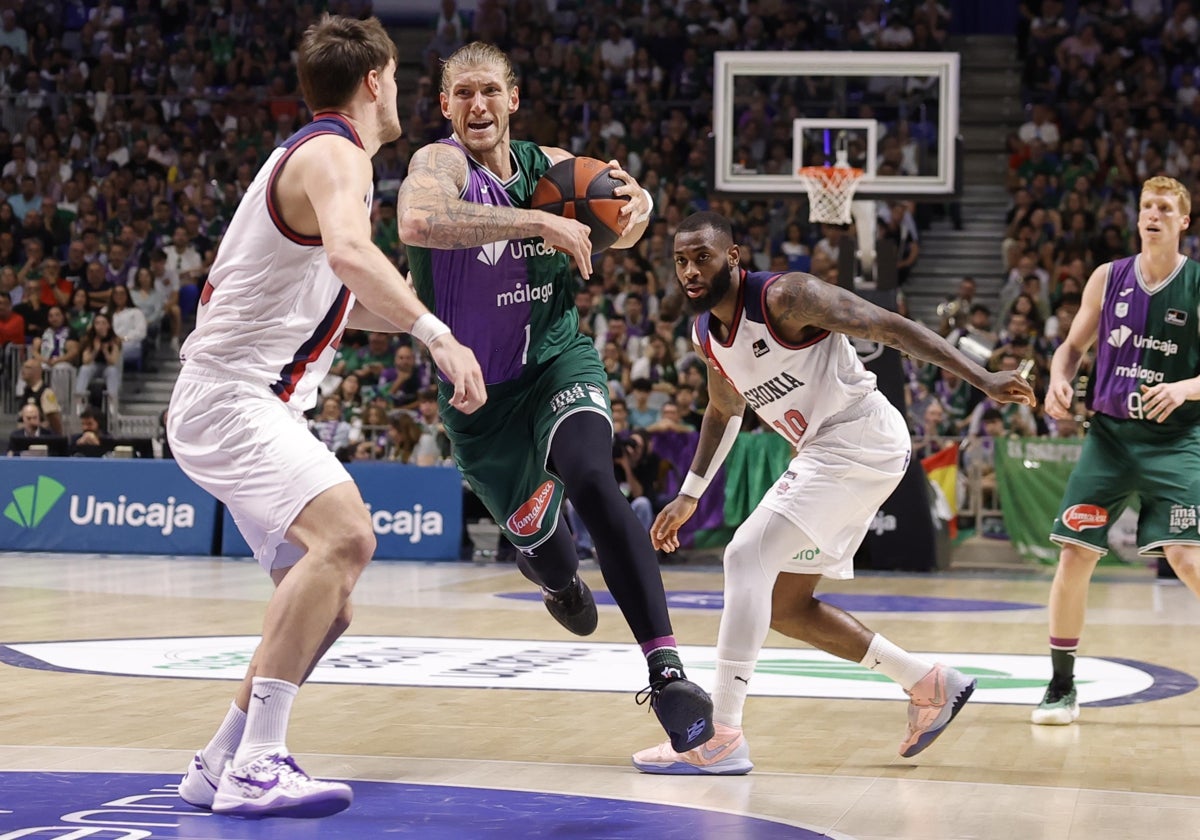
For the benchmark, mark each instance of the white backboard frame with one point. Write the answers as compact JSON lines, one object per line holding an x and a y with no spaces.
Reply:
{"x":945,"y":66}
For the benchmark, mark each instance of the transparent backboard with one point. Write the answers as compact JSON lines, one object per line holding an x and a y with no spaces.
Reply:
{"x":895,"y":112}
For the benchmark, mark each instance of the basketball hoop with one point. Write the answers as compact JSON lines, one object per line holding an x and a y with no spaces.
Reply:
{"x":830,"y":192}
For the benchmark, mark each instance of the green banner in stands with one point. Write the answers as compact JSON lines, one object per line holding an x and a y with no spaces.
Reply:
{"x":1031,"y":475}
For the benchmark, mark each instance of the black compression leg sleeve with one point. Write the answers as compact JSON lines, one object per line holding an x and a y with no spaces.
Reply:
{"x":581,"y":455}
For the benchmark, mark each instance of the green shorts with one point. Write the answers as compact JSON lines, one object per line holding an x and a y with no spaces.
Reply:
{"x":1122,"y":459}
{"x":502,"y":448}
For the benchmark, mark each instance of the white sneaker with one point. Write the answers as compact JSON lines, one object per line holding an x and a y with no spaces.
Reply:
{"x":199,"y":784}
{"x":274,"y":785}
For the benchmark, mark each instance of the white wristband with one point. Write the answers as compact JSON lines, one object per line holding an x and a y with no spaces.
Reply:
{"x":428,"y":328}
{"x":649,"y":207}
{"x":693,"y":485}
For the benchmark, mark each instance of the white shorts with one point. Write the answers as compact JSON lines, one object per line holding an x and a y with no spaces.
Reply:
{"x":254,"y":453}
{"x":834,"y":486}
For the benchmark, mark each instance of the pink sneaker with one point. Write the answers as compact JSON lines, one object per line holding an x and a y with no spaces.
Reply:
{"x":726,"y":753}
{"x":932,"y":704}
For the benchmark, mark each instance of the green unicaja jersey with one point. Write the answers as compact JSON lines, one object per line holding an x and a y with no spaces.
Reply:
{"x":1147,"y":336}
{"x":512,"y":301}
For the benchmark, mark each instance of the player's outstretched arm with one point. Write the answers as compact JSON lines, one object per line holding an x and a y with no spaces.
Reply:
{"x":431,"y":213}
{"x":799,"y":300}
{"x":335,"y":176}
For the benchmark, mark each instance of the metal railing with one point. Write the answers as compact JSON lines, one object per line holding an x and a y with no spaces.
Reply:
{"x":12,"y":356}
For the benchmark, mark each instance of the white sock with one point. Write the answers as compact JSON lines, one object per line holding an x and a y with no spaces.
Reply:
{"x":895,"y":663}
{"x":225,"y":743}
{"x":733,"y":683}
{"x":266,"y":719}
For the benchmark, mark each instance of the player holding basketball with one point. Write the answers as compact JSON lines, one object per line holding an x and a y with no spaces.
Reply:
{"x":296,"y":267}
{"x":778,"y":343}
{"x":1144,"y":437}
{"x":496,"y":272}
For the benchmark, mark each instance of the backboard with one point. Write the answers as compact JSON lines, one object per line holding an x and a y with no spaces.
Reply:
{"x":777,"y":111}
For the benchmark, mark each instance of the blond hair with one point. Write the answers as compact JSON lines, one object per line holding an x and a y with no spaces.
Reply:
{"x":477,"y":54}
{"x":1169,"y":186}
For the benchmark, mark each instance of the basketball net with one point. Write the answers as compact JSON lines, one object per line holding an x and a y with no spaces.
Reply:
{"x":831,"y":201}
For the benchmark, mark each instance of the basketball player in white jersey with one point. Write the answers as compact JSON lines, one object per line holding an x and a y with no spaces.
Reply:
{"x":778,"y":343}
{"x":296,"y":267}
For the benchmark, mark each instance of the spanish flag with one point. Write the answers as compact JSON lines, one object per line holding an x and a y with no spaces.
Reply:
{"x":942,"y":469}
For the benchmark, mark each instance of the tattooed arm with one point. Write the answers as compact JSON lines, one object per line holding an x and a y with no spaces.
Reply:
{"x":798,"y":302}
{"x":432,"y":215}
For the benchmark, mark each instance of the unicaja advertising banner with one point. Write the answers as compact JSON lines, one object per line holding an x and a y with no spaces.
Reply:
{"x":103,"y":505}
{"x":416,"y":512}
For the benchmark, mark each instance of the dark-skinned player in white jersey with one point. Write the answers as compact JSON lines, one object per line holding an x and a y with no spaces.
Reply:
{"x":778,"y":343}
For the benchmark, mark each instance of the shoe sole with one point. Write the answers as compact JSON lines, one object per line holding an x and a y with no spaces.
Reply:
{"x":685,"y":711}
{"x":1055,"y":717}
{"x":737,"y":767}
{"x":310,"y":807}
{"x":929,"y":736}
{"x":203,"y":805}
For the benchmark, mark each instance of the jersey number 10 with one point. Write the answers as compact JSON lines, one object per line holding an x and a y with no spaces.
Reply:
{"x":793,"y":426}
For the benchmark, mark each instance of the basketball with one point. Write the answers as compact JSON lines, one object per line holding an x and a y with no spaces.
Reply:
{"x":582,"y":188}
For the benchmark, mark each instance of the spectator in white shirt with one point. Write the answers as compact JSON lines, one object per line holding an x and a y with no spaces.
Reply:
{"x":184,"y":263}
{"x":12,"y":35}
{"x":21,"y":164}
{"x":129,"y":323}
{"x":1041,"y":126}
{"x":616,"y":54}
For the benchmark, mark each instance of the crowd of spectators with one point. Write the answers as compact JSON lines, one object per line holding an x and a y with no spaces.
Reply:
{"x":1110,"y":93}
{"x":130,"y":131}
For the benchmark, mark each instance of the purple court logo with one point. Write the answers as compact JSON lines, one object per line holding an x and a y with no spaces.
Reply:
{"x":145,"y":806}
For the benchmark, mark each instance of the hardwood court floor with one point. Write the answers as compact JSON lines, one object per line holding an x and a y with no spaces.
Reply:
{"x":828,"y":763}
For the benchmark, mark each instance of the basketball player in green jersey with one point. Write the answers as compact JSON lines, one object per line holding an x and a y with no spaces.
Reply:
{"x":1144,"y":437}
{"x":498,"y":274}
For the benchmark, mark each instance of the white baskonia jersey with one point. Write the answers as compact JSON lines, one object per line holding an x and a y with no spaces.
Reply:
{"x":272,"y":310}
{"x":793,"y":388}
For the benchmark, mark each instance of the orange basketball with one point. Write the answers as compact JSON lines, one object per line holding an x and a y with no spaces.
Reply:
{"x":582,"y":188}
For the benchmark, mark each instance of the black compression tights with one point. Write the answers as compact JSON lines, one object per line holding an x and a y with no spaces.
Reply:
{"x":581,"y":455}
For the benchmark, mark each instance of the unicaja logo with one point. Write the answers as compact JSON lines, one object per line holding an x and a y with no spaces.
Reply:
{"x":31,"y":503}
{"x":491,"y":252}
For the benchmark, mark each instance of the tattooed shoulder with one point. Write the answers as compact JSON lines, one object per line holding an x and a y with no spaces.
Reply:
{"x":801,"y":304}
{"x":791,"y":304}
{"x":438,"y":165}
